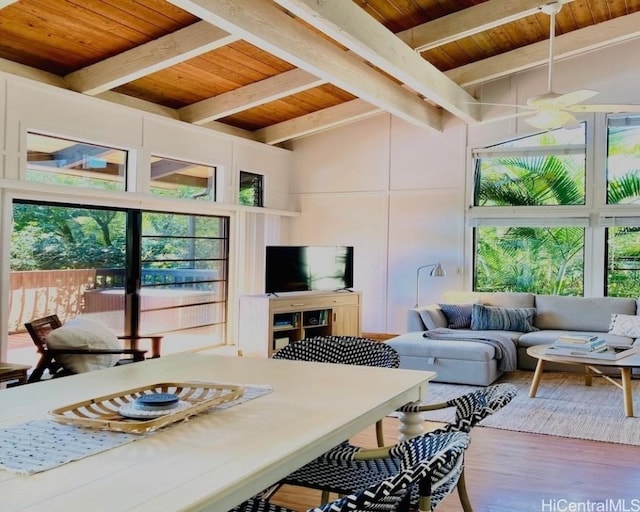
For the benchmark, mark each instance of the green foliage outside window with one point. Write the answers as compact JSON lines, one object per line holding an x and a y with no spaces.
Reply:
{"x":543,"y":259}
{"x":546,"y":260}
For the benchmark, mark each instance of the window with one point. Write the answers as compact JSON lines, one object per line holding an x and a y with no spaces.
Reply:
{"x":72,"y":163}
{"x":623,"y":260}
{"x":531,"y":251}
{"x":134,"y":271}
{"x":251,"y":192}
{"x":623,"y":159}
{"x":540,"y":170}
{"x":175,"y":178}
{"x":535,"y":259}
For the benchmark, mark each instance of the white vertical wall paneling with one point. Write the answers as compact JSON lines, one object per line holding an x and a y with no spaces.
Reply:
{"x":425,"y":226}
{"x":351,"y":158}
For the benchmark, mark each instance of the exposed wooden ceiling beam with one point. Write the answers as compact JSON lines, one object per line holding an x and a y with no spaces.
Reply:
{"x":264,"y":25}
{"x":38,"y":75}
{"x":352,"y":27}
{"x":249,"y":96}
{"x":573,"y":43}
{"x":331,"y":117}
{"x":469,"y":21}
{"x":161,"y":53}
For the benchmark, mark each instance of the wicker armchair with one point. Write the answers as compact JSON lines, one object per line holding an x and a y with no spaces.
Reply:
{"x":430,"y":466}
{"x":343,"y":350}
{"x":346,"y":467}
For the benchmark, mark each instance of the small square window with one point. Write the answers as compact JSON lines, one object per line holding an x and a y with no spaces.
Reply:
{"x":251,"y":189}
{"x":175,"y":178}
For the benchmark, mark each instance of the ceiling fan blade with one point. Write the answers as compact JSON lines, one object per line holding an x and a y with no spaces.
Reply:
{"x":550,"y":120}
{"x":504,"y":117}
{"x":570,"y":98}
{"x":512,"y":105}
{"x":603,"y":108}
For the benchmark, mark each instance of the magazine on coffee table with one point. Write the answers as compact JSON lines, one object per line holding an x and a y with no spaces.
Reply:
{"x":613,"y":353}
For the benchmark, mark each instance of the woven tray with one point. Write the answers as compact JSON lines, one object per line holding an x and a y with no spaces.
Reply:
{"x":102,"y":412}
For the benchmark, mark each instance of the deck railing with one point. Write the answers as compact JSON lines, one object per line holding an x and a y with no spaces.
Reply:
{"x":37,"y":293}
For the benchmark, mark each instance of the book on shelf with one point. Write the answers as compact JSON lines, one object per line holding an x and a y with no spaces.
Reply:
{"x":577,"y":338}
{"x":607,"y":353}
{"x":592,"y":345}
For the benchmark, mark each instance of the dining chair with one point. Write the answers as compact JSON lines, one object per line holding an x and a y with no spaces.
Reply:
{"x":343,"y":350}
{"x":347,"y":467}
{"x":77,"y":346}
{"x":430,"y":466}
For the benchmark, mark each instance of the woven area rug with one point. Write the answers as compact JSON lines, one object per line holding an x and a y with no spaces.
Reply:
{"x":564,"y":407}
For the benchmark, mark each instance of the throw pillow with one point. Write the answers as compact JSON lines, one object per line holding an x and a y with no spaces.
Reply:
{"x":625,"y":325}
{"x":458,"y":315}
{"x":502,"y":319}
{"x":82,"y":333}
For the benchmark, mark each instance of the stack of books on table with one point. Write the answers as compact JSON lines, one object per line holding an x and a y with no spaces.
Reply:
{"x":578,"y":345}
{"x":587,"y":345}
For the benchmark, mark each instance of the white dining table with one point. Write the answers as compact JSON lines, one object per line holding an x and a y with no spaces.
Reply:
{"x":215,"y":460}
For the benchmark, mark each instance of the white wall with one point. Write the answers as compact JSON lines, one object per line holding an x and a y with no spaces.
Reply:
{"x":398,"y":193}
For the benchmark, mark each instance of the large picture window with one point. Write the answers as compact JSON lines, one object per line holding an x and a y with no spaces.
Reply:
{"x":134,"y":271}
{"x":530,"y":250}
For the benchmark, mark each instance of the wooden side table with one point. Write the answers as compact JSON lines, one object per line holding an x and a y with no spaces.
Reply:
{"x":9,"y":372}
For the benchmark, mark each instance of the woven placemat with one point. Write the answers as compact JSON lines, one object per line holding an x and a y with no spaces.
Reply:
{"x":39,"y":445}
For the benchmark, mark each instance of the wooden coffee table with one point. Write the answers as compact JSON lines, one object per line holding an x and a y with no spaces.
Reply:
{"x":625,"y":365}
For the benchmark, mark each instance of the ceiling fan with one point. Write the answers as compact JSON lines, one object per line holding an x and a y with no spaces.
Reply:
{"x":552,"y":110}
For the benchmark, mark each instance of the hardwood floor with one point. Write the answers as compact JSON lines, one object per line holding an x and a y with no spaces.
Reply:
{"x":520,"y":472}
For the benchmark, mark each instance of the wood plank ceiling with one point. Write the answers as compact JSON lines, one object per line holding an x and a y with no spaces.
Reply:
{"x":276,"y":70}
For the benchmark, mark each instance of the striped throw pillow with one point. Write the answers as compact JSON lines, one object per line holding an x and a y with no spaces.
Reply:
{"x":502,"y":319}
{"x":458,"y":315}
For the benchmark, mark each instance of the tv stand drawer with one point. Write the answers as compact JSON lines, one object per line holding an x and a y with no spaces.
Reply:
{"x":315,"y":301}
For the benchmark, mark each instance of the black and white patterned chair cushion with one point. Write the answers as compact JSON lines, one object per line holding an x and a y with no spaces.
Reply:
{"x":341,"y":350}
{"x":421,"y":458}
{"x":339,"y":470}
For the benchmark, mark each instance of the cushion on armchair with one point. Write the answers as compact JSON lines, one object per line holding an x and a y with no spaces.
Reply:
{"x":84,"y":334}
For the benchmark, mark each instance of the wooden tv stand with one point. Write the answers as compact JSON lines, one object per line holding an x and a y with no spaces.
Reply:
{"x":267,"y":322}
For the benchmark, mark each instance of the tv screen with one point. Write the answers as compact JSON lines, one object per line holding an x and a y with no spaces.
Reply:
{"x":304,"y":268}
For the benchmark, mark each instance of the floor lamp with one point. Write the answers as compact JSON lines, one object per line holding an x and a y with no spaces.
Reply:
{"x":436,"y":271}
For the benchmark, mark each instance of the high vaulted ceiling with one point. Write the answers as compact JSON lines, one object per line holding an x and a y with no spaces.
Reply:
{"x":276,"y":70}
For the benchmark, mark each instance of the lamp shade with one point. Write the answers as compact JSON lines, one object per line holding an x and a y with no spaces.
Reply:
{"x":437,"y":270}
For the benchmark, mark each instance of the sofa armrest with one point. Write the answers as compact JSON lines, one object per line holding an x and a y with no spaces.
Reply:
{"x":425,"y":318}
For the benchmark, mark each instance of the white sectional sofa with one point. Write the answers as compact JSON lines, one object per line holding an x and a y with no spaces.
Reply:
{"x":469,"y":362}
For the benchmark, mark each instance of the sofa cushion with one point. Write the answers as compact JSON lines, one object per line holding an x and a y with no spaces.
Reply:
{"x":579,"y":313}
{"x":625,"y":325}
{"x":432,"y":317}
{"x":82,"y":333}
{"x":502,"y":299}
{"x":497,"y":318}
{"x":509,"y":299}
{"x":414,"y":345}
{"x":458,"y":315}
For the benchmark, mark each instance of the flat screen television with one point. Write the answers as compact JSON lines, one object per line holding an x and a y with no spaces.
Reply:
{"x":304,"y":268}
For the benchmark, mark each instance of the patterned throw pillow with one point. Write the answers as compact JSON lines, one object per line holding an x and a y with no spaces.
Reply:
{"x":625,"y":325}
{"x":458,"y":315}
{"x":502,"y":319}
